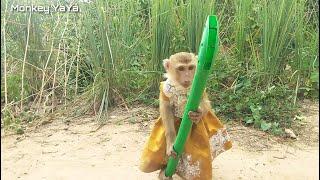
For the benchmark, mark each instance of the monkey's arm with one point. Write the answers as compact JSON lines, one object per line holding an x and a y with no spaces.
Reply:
{"x":167,"y":117}
{"x":203,"y":109}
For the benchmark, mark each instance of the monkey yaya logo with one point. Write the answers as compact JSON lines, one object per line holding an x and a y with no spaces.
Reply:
{"x":45,"y":9}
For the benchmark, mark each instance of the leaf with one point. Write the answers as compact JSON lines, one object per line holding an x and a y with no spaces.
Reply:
{"x":265,"y":126}
{"x":238,"y":107}
{"x":19,"y":130}
{"x":256,"y":116}
{"x":248,"y":120}
{"x":314,"y":77}
{"x":275,"y":125}
{"x":277,"y":131}
{"x":298,"y":118}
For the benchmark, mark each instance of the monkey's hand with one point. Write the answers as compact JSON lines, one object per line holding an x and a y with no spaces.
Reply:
{"x":170,"y":151}
{"x":195,"y":116}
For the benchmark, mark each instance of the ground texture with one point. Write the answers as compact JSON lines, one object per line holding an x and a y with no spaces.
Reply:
{"x":67,"y":149}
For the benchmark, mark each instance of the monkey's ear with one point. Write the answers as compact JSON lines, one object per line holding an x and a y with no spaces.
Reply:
{"x":196,"y":56}
{"x":166,"y":64}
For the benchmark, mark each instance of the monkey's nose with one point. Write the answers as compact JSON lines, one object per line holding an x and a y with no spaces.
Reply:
{"x":187,"y":83}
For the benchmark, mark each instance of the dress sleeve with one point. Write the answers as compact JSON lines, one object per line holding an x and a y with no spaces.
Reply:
{"x":162,"y":95}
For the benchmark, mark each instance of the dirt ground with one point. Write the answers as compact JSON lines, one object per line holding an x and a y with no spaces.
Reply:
{"x":70,"y":149}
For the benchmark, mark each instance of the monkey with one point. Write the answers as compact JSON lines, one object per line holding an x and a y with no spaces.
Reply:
{"x":208,"y":136}
{"x":180,"y":69}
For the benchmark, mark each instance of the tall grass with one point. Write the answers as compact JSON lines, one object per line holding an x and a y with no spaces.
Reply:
{"x":99,"y":54}
{"x":111,"y":52}
{"x":278,"y":26}
{"x":242,"y":26}
{"x":24,"y":63}
{"x":3,"y":34}
{"x":195,"y":18}
{"x":163,"y":26}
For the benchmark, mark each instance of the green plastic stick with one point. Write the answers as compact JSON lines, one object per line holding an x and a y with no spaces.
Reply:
{"x":207,"y":51}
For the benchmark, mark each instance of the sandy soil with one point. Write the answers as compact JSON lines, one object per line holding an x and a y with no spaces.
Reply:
{"x":70,"y":150}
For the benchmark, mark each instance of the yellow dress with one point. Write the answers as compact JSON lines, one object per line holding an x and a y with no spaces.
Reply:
{"x":207,"y":140}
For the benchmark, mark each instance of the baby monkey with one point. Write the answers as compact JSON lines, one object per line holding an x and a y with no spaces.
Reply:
{"x":180,"y":69}
{"x":208,"y":137}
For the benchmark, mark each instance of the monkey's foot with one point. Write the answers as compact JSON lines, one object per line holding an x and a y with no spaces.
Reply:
{"x":162,"y":175}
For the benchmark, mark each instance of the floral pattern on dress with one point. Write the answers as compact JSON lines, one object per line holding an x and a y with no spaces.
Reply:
{"x":218,"y":141}
{"x":188,"y":168}
{"x":177,"y":97}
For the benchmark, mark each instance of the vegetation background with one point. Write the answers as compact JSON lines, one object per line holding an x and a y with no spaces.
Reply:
{"x":110,"y":54}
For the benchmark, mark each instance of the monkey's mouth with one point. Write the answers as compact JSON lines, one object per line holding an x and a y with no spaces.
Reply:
{"x":186,"y":85}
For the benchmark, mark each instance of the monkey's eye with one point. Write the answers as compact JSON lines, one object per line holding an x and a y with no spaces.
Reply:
{"x":180,"y":68}
{"x":191,"y":68}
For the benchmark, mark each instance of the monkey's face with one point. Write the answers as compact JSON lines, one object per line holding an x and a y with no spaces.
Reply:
{"x":185,"y":73}
{"x":181,"y":68}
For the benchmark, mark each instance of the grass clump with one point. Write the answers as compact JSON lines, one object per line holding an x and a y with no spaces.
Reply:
{"x":110,"y":54}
